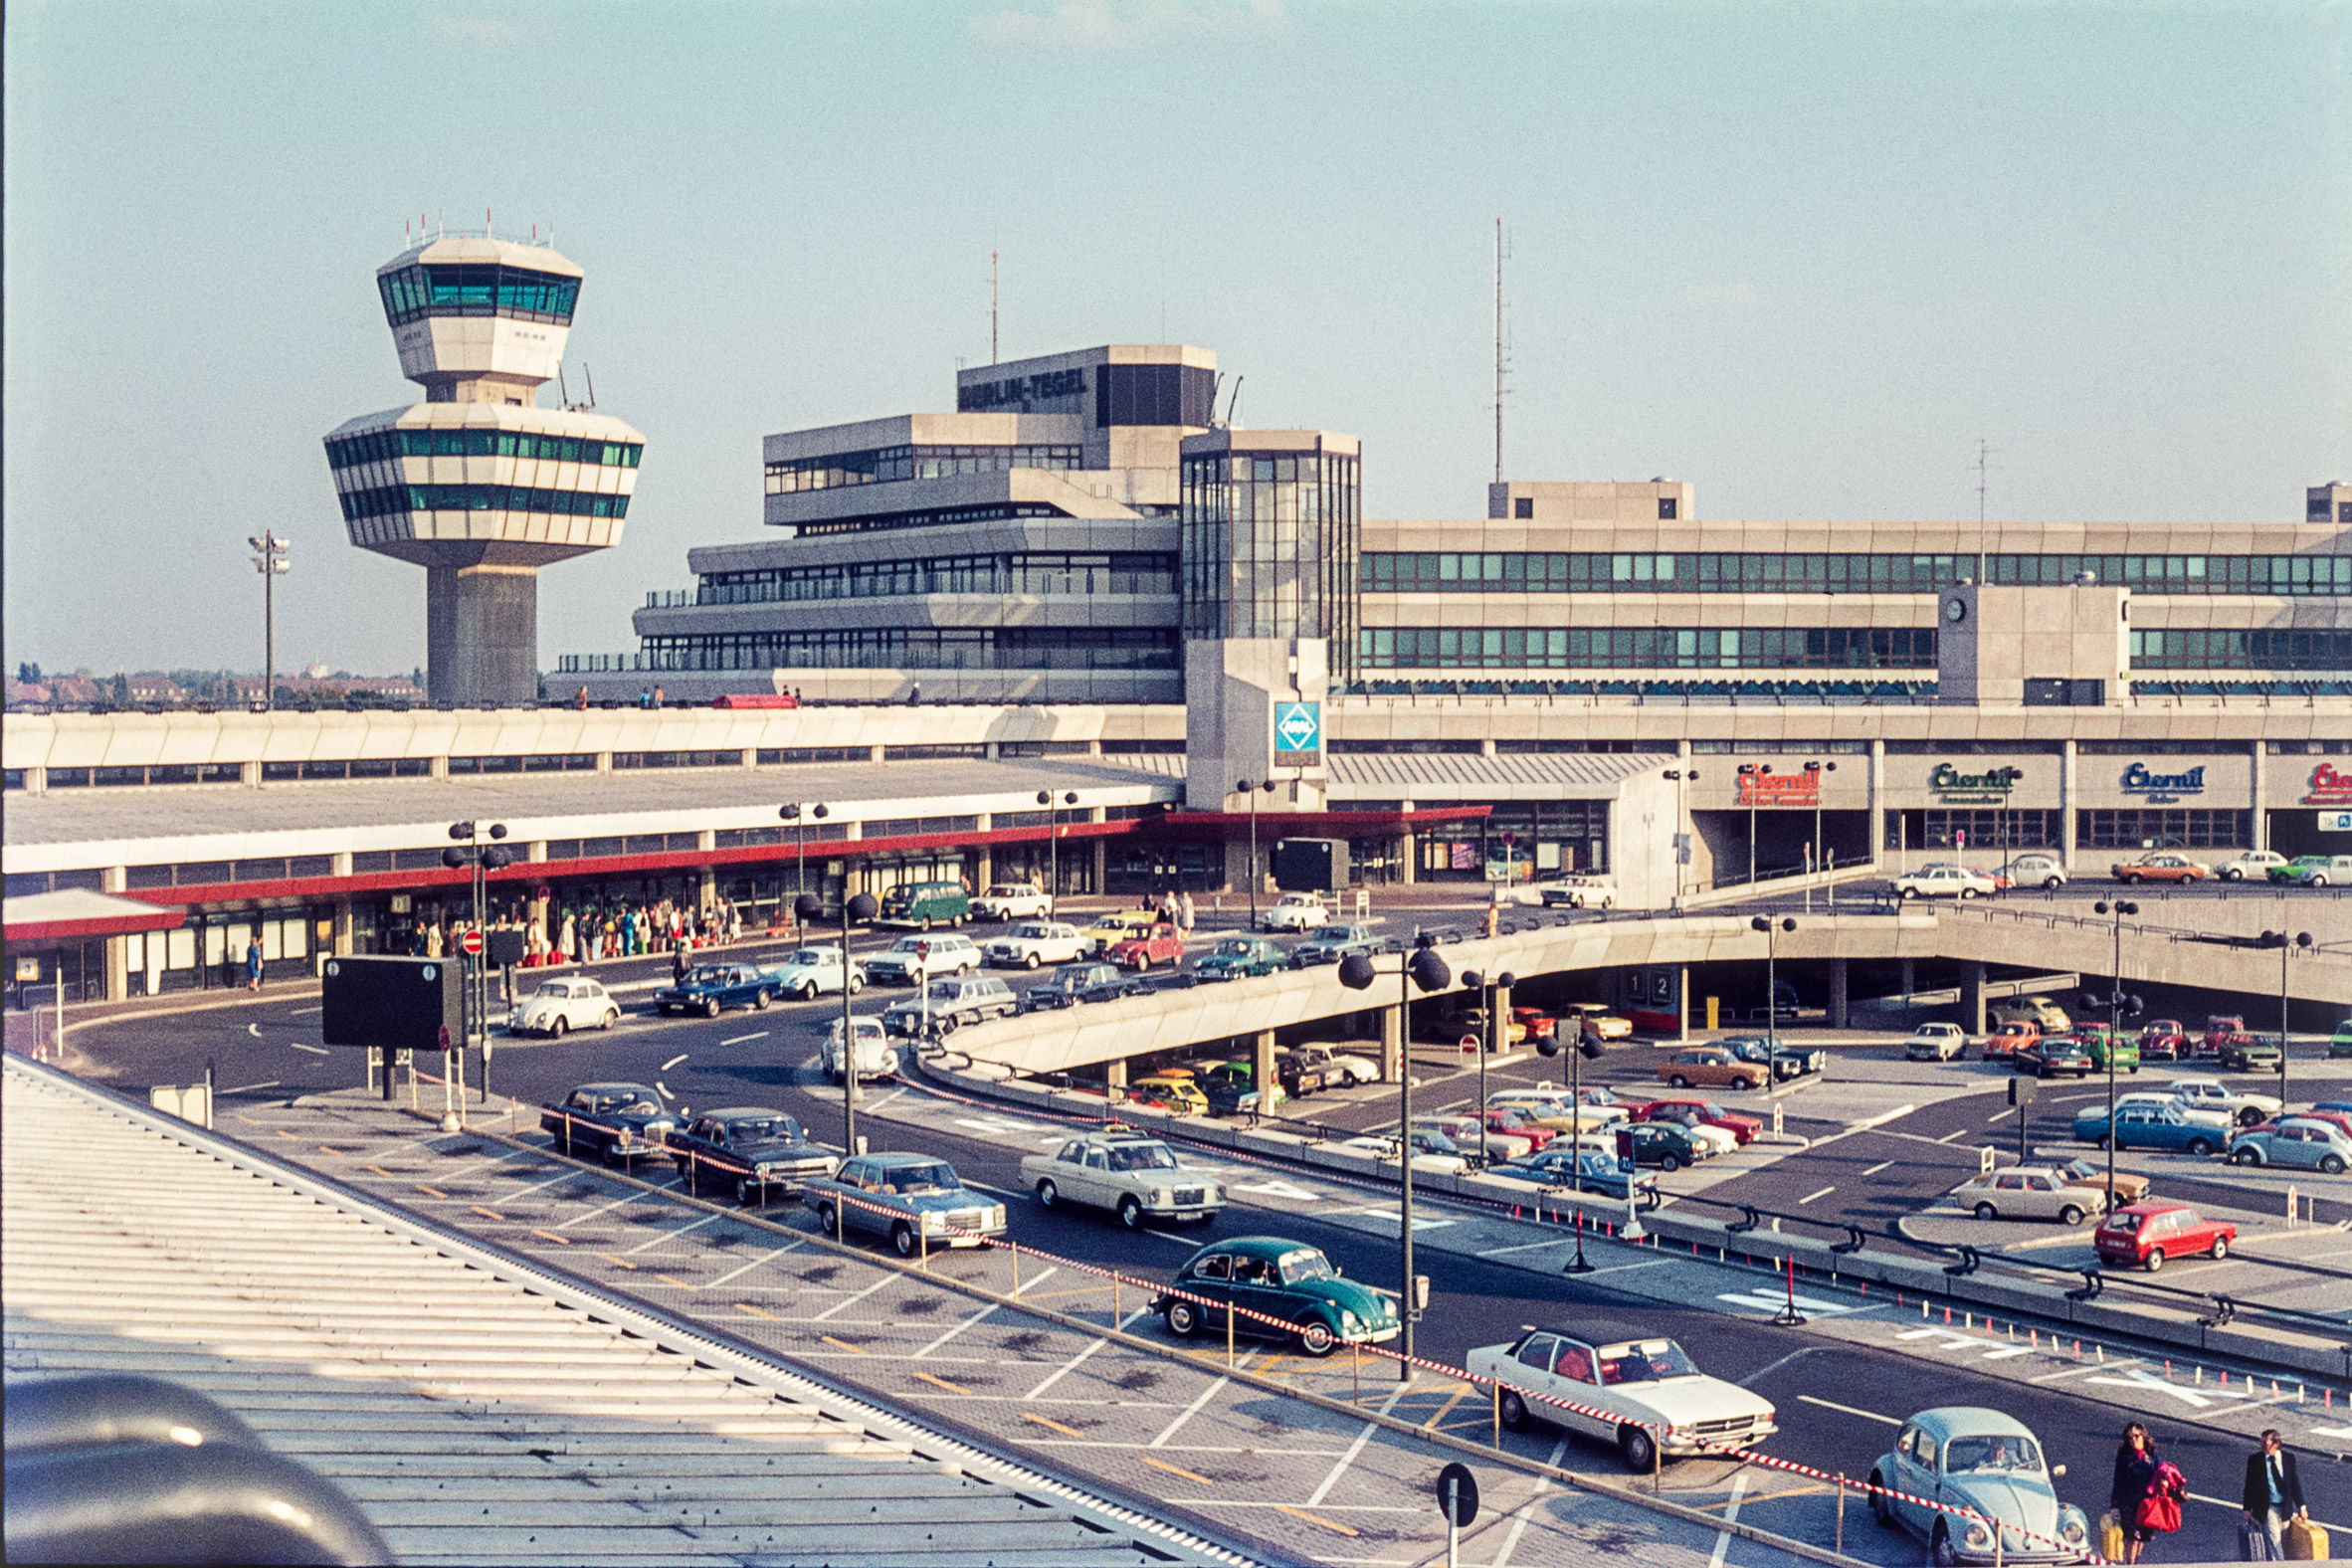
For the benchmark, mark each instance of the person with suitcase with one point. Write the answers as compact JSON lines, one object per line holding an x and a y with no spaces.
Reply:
{"x":2272,"y":1498}
{"x":2145,"y":1493}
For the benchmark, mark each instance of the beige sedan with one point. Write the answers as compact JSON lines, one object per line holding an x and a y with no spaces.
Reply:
{"x":2029,"y":1192}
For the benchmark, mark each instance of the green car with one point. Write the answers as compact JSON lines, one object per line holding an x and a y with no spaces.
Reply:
{"x":1237,"y":956}
{"x":2293,"y":871}
{"x":2100,"y":1042}
{"x":2340,"y":1043}
{"x":1281,"y":1289}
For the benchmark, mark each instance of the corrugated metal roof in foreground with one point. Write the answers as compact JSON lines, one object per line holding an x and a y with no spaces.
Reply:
{"x":472,"y":1418}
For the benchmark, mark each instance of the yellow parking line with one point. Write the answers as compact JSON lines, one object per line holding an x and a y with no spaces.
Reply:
{"x":430,"y":1192}
{"x":1315,"y":1519}
{"x":1174,"y":1469}
{"x":844,"y":1344}
{"x":746,"y":1306}
{"x":560,"y":1241}
{"x":674,"y":1279}
{"x":621,"y":1262}
{"x":1068,"y":1432}
{"x":248,"y":1120}
{"x":488,"y":1214}
{"x":282,"y":1133}
{"x":380,"y":1170}
{"x":328,"y":1148}
{"x":943,"y":1383}
{"x":1442,"y":1411}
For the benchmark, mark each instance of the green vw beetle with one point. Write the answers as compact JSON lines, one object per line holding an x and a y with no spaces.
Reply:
{"x":1281,"y":1288}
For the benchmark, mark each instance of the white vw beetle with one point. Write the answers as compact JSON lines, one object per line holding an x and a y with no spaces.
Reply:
{"x":1296,"y":911}
{"x":565,"y":1003}
{"x":1642,"y":1395}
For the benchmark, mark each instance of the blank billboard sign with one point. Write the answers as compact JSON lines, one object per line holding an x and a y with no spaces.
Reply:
{"x":407,"y":1004}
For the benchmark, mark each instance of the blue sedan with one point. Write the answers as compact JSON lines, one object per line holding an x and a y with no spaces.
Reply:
{"x":2170,"y":1127}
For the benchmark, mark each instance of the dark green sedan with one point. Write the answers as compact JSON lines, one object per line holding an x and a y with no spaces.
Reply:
{"x":1283,"y":1288}
{"x":1238,"y":956}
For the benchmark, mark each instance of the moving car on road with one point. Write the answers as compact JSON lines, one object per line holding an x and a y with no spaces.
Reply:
{"x":876,"y":1057}
{"x":911,"y":960}
{"x":1114,"y":928}
{"x":2293,"y":871}
{"x":2171,"y":1126}
{"x":1989,"y":1465}
{"x":2250,"y":865}
{"x":1014,"y":902}
{"x":2035,"y":869}
{"x":707,"y":988}
{"x":1296,"y":911}
{"x":1329,"y":944}
{"x":1082,"y":982}
{"x":952,"y":1004}
{"x":2027,"y":1192}
{"x":1944,"y":882}
{"x":1711,"y":1065}
{"x":1933,"y":1042}
{"x":1643,"y":1394}
{"x":2145,"y":1233}
{"x":1270,"y":1287}
{"x":751,"y":1149}
{"x":2339,"y":1044}
{"x":1576,"y":891}
{"x":616,"y":1122}
{"x":1239,"y":957}
{"x":809,"y":972}
{"x":1035,"y":943}
{"x":2307,"y":1142}
{"x":1157,"y":943}
{"x":2162,"y":867}
{"x":2320,"y":870}
{"x":917,"y":1200}
{"x":1135,"y":1177}
{"x":565,"y":1003}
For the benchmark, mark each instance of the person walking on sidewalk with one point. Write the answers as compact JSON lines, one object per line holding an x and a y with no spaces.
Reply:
{"x":2274,"y":1494}
{"x":252,"y":964}
{"x":2133,"y":1484}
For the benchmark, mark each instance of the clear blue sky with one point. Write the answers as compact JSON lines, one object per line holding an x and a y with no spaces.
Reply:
{"x":1802,"y":255}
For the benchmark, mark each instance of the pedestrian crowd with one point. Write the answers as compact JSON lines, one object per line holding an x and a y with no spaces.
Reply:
{"x":2147,"y":1490}
{"x":1174,"y":907}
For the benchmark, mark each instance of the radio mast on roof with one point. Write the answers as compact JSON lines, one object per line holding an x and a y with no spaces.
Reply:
{"x":1498,"y":350}
{"x":992,"y":308}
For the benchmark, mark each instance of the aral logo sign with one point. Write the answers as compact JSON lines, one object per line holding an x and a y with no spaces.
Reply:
{"x":1298,"y":734}
{"x":2328,"y":788}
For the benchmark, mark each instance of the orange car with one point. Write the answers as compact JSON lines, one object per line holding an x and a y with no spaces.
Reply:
{"x":2006,"y":1042}
{"x":2162,"y":868}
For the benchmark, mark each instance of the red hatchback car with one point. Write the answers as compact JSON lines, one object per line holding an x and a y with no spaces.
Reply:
{"x":2146,"y":1233}
{"x":1706,"y":1114}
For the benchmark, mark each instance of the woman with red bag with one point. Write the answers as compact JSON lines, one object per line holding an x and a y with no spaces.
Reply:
{"x":2146,"y":1492}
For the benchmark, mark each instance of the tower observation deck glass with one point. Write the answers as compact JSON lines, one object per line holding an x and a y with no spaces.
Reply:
{"x":1271,"y":542}
{"x":415,"y":293}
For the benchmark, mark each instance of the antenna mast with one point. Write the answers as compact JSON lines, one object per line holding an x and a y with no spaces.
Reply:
{"x":992,"y":308}
{"x":1980,"y":510}
{"x":1498,"y":350}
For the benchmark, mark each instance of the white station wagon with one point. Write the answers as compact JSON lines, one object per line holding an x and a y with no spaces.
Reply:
{"x":1034,"y":943}
{"x":1641,"y":1394}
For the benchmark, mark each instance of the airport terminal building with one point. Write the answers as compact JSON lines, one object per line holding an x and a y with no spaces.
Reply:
{"x":1083,"y":585}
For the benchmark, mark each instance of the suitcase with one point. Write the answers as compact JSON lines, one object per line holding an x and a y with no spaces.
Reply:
{"x":2305,"y":1542}
{"x":2111,"y":1536}
{"x":2254,"y":1543}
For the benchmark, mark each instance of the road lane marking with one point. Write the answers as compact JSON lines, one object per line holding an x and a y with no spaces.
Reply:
{"x":1809,"y":1197}
{"x":669,"y":1235}
{"x":1849,"y":1410}
{"x":680,"y":1056}
{"x":754,"y":1264}
{"x":1339,"y":1468}
{"x":380,"y":1170}
{"x":1173,"y":1470}
{"x":852,"y":1300}
{"x":1739,"y":1485}
{"x":247,"y":1088}
{"x":1029,"y":1279}
{"x":1280,"y":1189}
{"x":1875,"y":1169}
{"x":1958,"y":1133}
{"x":328,"y":1148}
{"x":620,"y":1261}
{"x":737,"y":1040}
{"x":1055,"y":1375}
{"x":1526,"y":1511}
{"x":302,"y":1012}
{"x":631,"y":1197}
{"x":683,"y":1285}
{"x":1188,"y":1413}
{"x":951,"y":1333}
{"x":1073,"y":1431}
{"x":316,"y":1050}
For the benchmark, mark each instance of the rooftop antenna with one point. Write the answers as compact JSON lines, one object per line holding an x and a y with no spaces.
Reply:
{"x":590,"y":378}
{"x":485,"y":223}
{"x":1981,"y":451}
{"x":1234,"y":402}
{"x":992,"y":308}
{"x":1498,"y":350}
{"x":561,"y":390}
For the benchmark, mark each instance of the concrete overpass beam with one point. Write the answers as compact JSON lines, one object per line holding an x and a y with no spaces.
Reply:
{"x":1972,"y":996}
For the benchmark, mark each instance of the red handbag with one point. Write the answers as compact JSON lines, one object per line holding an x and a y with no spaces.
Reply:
{"x":2160,"y":1510}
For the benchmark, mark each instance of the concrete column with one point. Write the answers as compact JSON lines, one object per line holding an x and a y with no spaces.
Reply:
{"x":482,"y":635}
{"x":751,"y":756}
{"x":1682,"y":1004}
{"x":1114,"y":1072}
{"x":1972,"y":996}
{"x":2066,"y":776}
{"x":2260,"y":839}
{"x":1409,"y":851}
{"x":1875,"y":826}
{"x":118,"y":967}
{"x":249,"y":774}
{"x":985,"y":873}
{"x":342,"y":939}
{"x":1101,"y":864}
{"x":1392,"y":1044}
{"x":1261,"y":1068}
{"x":1498,"y":1028}
{"x":1910,"y":982}
{"x":1838,"y":1005}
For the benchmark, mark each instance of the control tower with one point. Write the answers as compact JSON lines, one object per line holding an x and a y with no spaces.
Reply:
{"x":479,"y":484}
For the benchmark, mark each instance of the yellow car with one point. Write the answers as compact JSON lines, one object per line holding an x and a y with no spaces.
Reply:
{"x":1612,"y":1026}
{"x":1178,"y":1096}
{"x":1117,"y":927}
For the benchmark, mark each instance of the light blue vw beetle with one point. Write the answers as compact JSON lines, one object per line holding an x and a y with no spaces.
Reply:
{"x":1989,"y":1466}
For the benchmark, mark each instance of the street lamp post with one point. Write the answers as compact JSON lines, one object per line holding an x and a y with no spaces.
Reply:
{"x":2287,"y":946}
{"x":1817,"y":769}
{"x":1682,"y":826}
{"x":1496,"y":1036}
{"x":470,"y":853}
{"x":808,"y":907}
{"x":798,"y":816}
{"x":2115,"y":1001}
{"x":269,"y":558}
{"x":1425,"y":970}
{"x":1771,"y":932}
{"x":1045,"y":798}
{"x":1248,"y":788}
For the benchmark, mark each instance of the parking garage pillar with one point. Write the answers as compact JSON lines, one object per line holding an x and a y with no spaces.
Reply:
{"x":1681,"y":1005}
{"x":1114,"y":1072}
{"x":1498,"y":1028}
{"x":1837,"y":993}
{"x":1972,"y":996}
{"x":1261,"y":1069}
{"x":1392,"y":1045}
{"x":343,"y":921}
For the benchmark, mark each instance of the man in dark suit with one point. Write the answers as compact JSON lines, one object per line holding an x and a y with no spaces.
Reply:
{"x":2273,"y":1491}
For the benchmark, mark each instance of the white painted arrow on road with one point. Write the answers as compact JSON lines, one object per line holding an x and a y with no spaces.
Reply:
{"x":1280,"y":1189}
